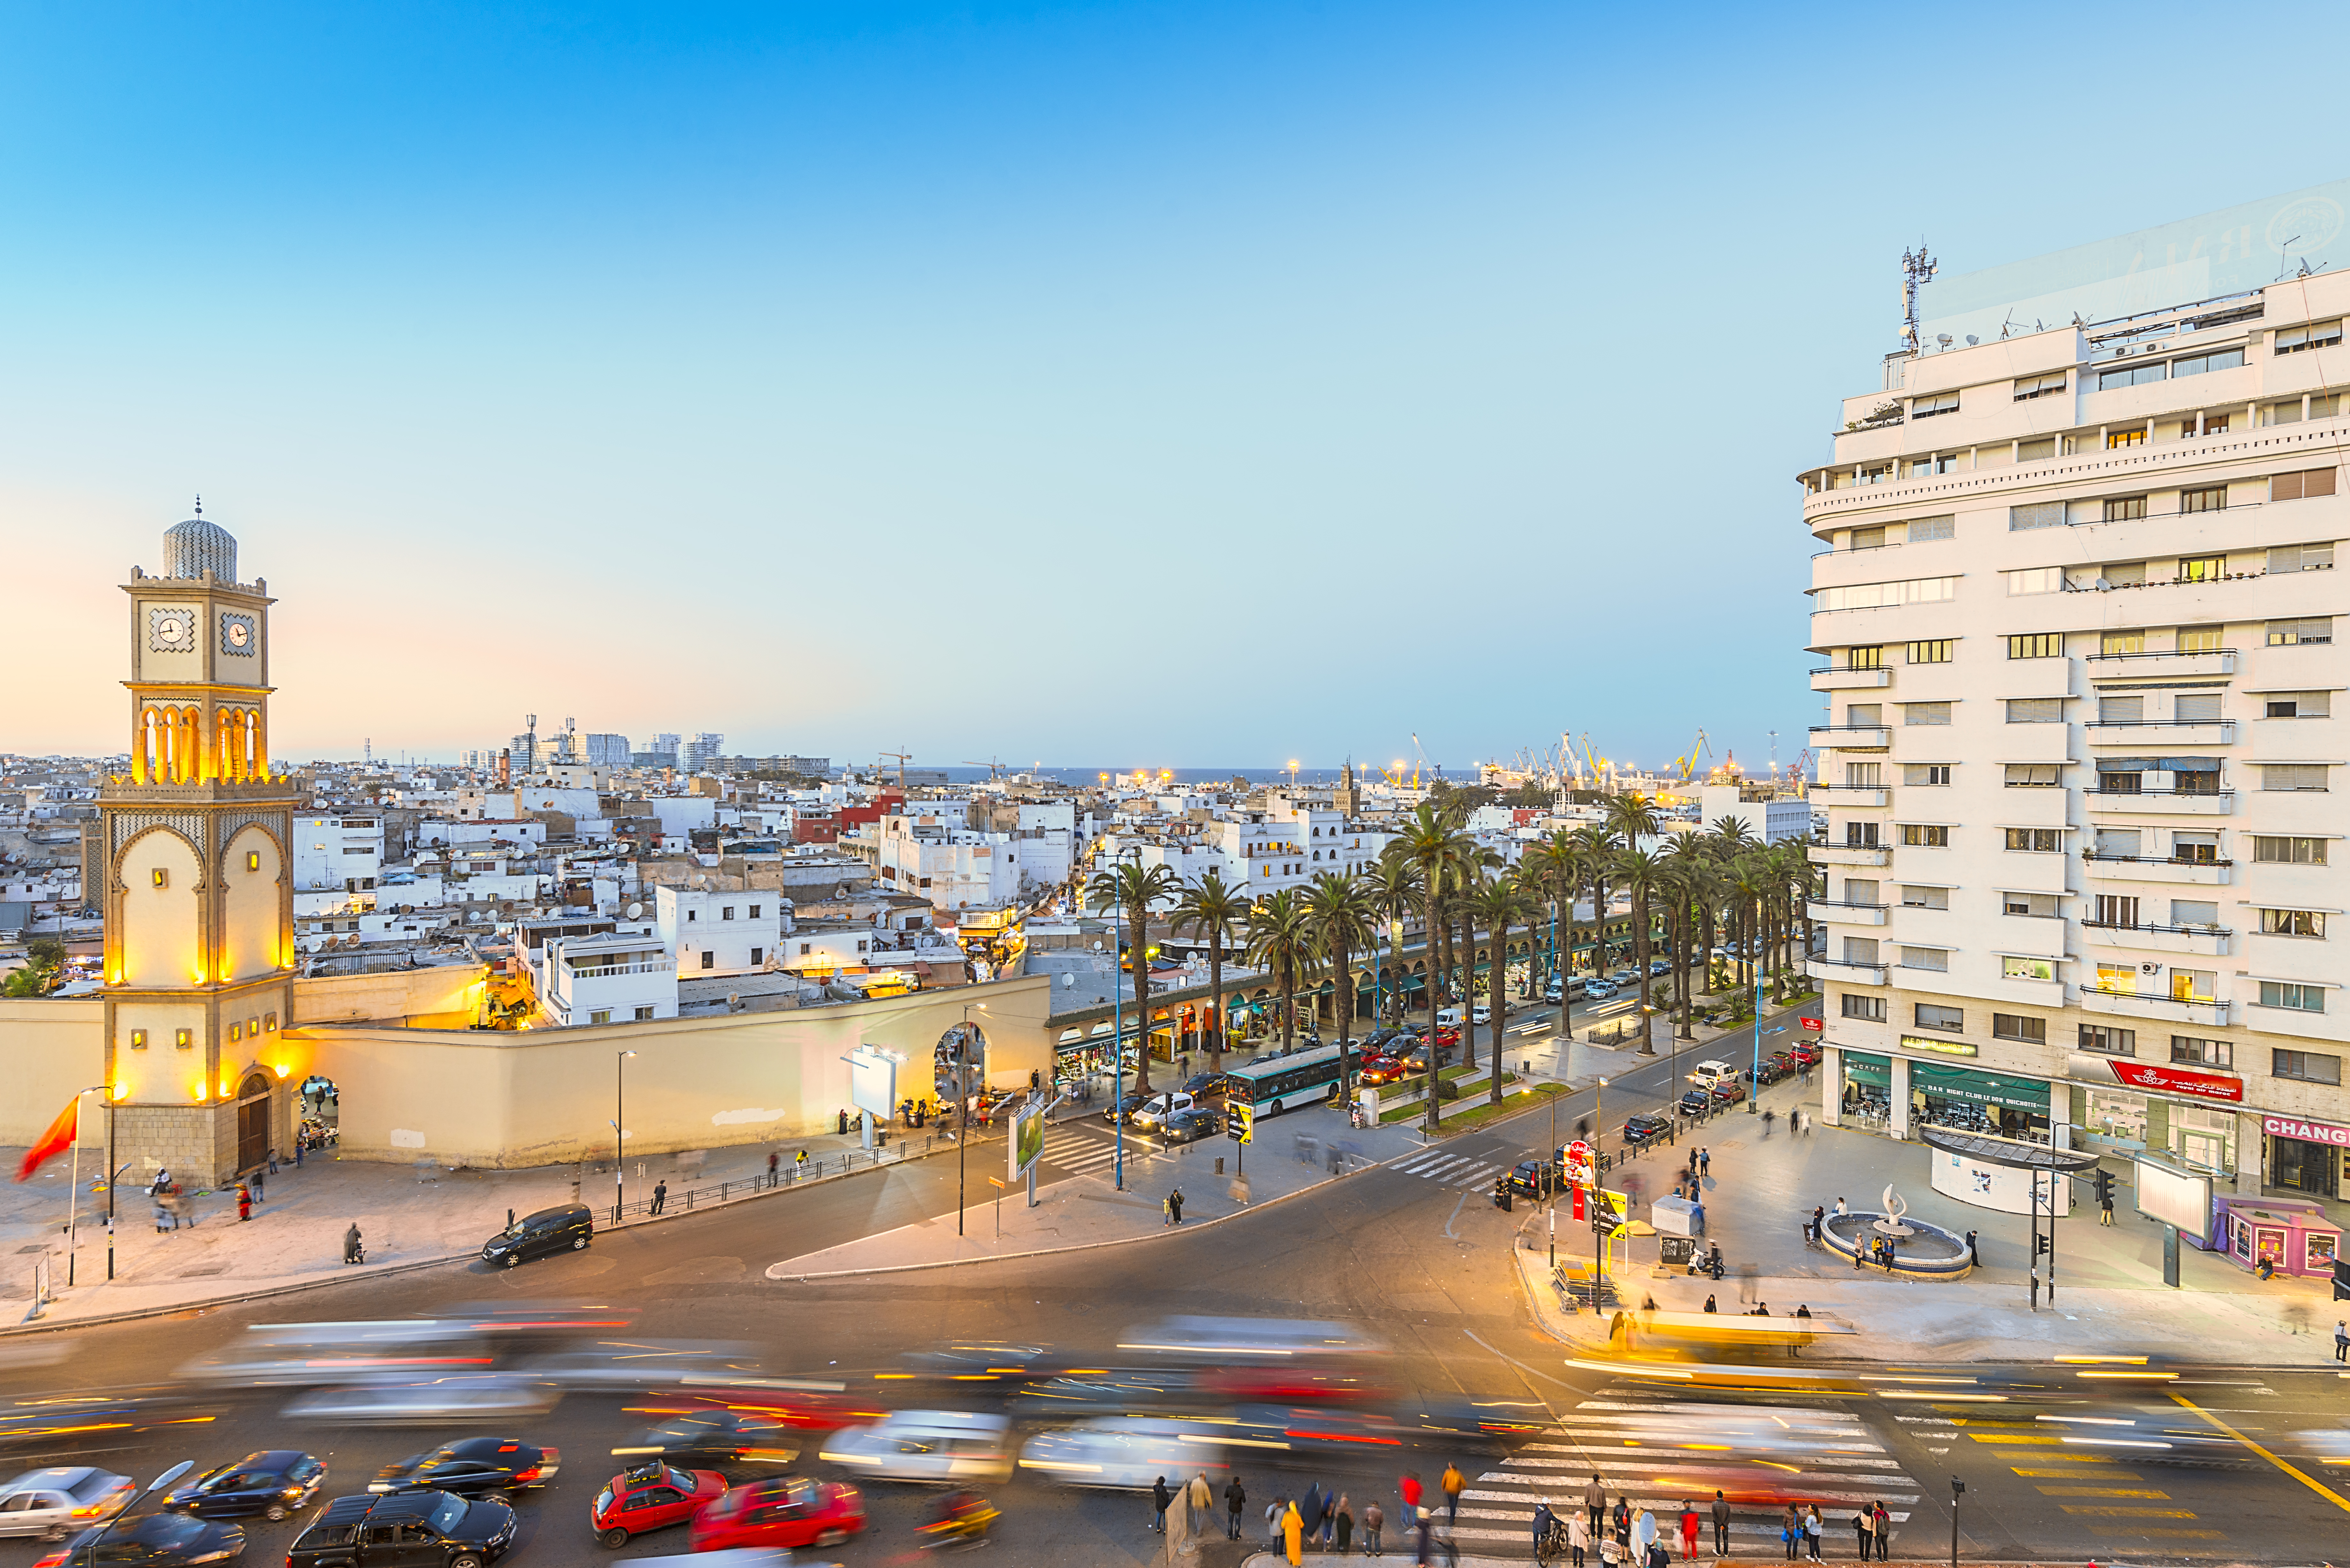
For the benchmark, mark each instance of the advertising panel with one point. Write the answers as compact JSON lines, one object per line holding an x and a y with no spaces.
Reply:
{"x":1027,"y":1140}
{"x":873,"y":1080}
{"x":2175,"y":1197}
{"x":2178,"y":1080}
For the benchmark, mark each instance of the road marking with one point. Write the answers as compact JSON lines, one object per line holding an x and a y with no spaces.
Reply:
{"x":2100,"y":1511}
{"x":2320,"y":1488}
{"x":2016,"y":1437}
{"x":2079,"y":1475}
{"x":2167,"y":1534}
{"x":2102,"y":1491}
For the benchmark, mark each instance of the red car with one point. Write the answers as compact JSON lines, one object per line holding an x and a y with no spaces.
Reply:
{"x":652,"y":1497}
{"x":1728,"y":1091}
{"x":1377,"y":1070}
{"x":790,"y":1510}
{"x":1807,"y":1052}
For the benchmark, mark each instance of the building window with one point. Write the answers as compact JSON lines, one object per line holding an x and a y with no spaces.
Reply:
{"x":1924,"y":530}
{"x":727,"y":913}
{"x":2036,"y":710}
{"x":758,"y":955}
{"x":269,"y":1022}
{"x":2316,"y":335}
{"x":2202,"y":364}
{"x":2298,"y":776}
{"x":161,"y":877}
{"x":1915,"y":897}
{"x":2118,"y":979}
{"x":2131,"y":375}
{"x":1937,"y":651}
{"x":2199,"y":639}
{"x":2214,"y":499}
{"x":2202,"y":568}
{"x":2300,"y":633}
{"x":2036,"y":645}
{"x":2125,"y":508}
{"x":2117,"y":439}
{"x":183,"y":1038}
{"x":2034,"y":840}
{"x":1865,"y":658}
{"x":1877,"y":596}
{"x":2308,"y":483}
{"x":1933,"y":1015}
{"x":2200,"y":1053}
{"x":1925,"y":774}
{"x":2042,"y":905}
{"x":2013,"y":967}
{"x":1926,"y":712}
{"x":2194,"y":985}
{"x":1926,"y":958}
{"x":2033,"y":775}
{"x":755,"y":910}
{"x":2120,"y":644}
{"x":1926,"y":834}
{"x":2292,"y":997}
{"x":709,"y":960}
{"x":644,"y":1015}
{"x":600,"y":1015}
{"x":1860,"y":835}
{"x":2106,"y":1041}
{"x":2038,"y":515}
{"x":2308,"y":1067}
{"x":2016,"y":1026}
{"x":2301,"y":558}
{"x":693,"y":914}
{"x":2030,"y":387}
{"x":1870,"y":1009}
{"x":806,"y":948}
{"x":2035,"y":580}
{"x":2298,"y":705}
{"x":2277,"y":851}
{"x":139,"y":1039}
{"x":1939,"y":403}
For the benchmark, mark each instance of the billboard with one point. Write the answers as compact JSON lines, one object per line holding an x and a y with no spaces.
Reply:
{"x":873,"y":1080}
{"x":2175,"y":1197}
{"x":1027,"y":1140}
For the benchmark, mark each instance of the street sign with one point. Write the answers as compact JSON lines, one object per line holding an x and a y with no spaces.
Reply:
{"x":1608,"y":1211}
{"x":1814,"y":1025}
{"x":1240,"y":1124}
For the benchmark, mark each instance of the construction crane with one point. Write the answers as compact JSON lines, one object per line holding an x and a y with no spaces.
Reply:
{"x":1420,"y":761}
{"x":994,"y":769}
{"x":1688,"y":765}
{"x":902,"y":757}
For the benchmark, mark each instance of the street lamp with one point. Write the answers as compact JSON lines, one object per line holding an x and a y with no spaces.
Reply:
{"x":1599,"y":1236}
{"x":619,"y":1135}
{"x":1118,"y":1032}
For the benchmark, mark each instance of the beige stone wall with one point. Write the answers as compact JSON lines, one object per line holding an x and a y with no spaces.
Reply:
{"x":447,"y":993}
{"x":48,"y":1049}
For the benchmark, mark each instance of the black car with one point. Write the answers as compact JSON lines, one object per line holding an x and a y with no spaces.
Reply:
{"x":1200,"y":1084}
{"x":473,"y":1467}
{"x":1534,"y":1178}
{"x":272,"y":1483}
{"x":405,"y":1529}
{"x":1694,"y":1103}
{"x":153,"y":1541}
{"x":716,"y":1437}
{"x":1645,"y":1125}
{"x":1128,"y":1104}
{"x":566,"y":1228}
{"x":1189,"y":1126}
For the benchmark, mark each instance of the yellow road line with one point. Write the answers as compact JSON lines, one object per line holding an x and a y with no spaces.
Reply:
{"x":2081,"y":1475}
{"x":2166,"y":1534}
{"x":2033,"y":1438}
{"x":2320,"y":1488}
{"x":2101,"y":1491}
{"x":2100,"y":1511}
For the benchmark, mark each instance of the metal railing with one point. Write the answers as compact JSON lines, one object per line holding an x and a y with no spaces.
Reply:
{"x":2151,"y":859}
{"x":2159,"y":653}
{"x":2151,"y":925}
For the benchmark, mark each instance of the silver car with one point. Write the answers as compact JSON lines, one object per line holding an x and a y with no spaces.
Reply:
{"x":441,"y":1399}
{"x":54,"y":1503}
{"x":1125,"y":1452}
{"x":925,"y":1446}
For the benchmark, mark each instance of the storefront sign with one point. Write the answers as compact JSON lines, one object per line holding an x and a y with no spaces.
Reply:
{"x":1814,"y":1025}
{"x":1861,"y":1067}
{"x":1980,"y":1088}
{"x":2179,"y":1081}
{"x":2308,"y":1132}
{"x":1938,"y":1047}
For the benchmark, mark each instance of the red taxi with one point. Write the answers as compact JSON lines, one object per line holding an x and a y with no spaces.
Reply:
{"x":652,"y":1497}
{"x":788,"y":1511}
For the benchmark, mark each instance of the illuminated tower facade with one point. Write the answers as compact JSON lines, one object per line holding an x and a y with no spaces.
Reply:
{"x":198,"y":899}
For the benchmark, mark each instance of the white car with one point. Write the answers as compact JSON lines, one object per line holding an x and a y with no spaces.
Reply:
{"x":1481,"y":1015}
{"x":1598,"y":989}
{"x":1154,"y":1112}
{"x":1706,"y":1074}
{"x":465,"y":1398}
{"x":58,"y":1502}
{"x":1128,"y":1452}
{"x":925,"y":1446}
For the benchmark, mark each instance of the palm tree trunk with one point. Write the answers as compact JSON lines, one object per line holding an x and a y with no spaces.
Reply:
{"x":1215,"y":999}
{"x":1640,"y":958}
{"x":1469,"y":985}
{"x":1138,"y":918}
{"x":1494,"y":991}
{"x":1345,"y":997}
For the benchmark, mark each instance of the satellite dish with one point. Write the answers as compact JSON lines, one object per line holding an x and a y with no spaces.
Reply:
{"x":1067,"y":979}
{"x":636,"y":911}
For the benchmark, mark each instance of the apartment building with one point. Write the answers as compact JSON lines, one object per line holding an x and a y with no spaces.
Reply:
{"x":2075,"y":607}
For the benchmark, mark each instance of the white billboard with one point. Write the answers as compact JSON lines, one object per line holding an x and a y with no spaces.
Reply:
{"x":1027,"y":1140}
{"x":873,"y":1080}
{"x":2175,"y":1197}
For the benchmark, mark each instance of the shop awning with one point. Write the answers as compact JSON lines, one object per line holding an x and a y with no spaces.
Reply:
{"x":1864,"y":1068}
{"x":1978,"y":1087}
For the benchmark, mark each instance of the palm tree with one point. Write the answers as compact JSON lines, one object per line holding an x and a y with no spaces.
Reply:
{"x":1209,"y":906}
{"x":1597,"y":847}
{"x":1477,"y":866}
{"x":1433,"y":843}
{"x":1501,"y":902}
{"x":1551,"y":867}
{"x":1280,"y":935}
{"x":1343,"y":923}
{"x":1686,"y":873}
{"x":1391,"y":889}
{"x":1640,"y":873}
{"x":1134,"y":888}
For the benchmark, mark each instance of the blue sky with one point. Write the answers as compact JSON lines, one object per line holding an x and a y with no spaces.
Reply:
{"x":1171,"y":384}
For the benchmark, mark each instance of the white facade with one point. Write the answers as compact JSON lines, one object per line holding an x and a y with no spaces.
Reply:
{"x":711,"y":933}
{"x":334,"y":853}
{"x":1768,"y":820}
{"x":607,"y":979}
{"x":2077,"y":616}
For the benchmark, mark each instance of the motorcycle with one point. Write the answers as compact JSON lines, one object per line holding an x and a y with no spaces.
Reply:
{"x":961,"y":1522}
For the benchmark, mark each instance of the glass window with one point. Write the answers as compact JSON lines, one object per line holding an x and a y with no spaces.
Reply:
{"x":2038,"y":515}
{"x":2108,"y":1041}
{"x":1872,"y":595}
{"x":2013,"y":967}
{"x":2302,"y":558}
{"x":2117,"y":1116}
{"x":2200,"y":1053}
{"x":2307,"y":777}
{"x":2115,"y":439}
{"x":2202,"y":568}
{"x":2030,"y":387}
{"x":2308,"y":630}
{"x":2316,"y":335}
{"x":1939,"y":403}
{"x":2035,"y":580}
{"x":2199,"y":639}
{"x":2281,"y":851}
{"x":2293,"y":922}
{"x":1865,"y":658}
{"x":2194,"y":985}
{"x":2212,"y":499}
{"x":1934,"y":1015}
{"x":2124,"y":508}
{"x":2032,"y":776}
{"x":2033,"y":840}
{"x":2131,"y":375}
{"x":2036,"y":645}
{"x":2309,"y":1066}
{"x":1926,"y":712}
{"x":1926,"y":834}
{"x":1924,"y":898}
{"x":1925,"y":774}
{"x":2294,"y":997}
{"x":2016,"y":1026}
{"x":2118,"y":979}
{"x":2202,"y":364}
{"x":1925,"y":529}
{"x":2036,"y":710}
{"x":1924,"y":958}
{"x":2115,"y":644}
{"x":1868,"y":1008}
{"x":2040,"y":905}
{"x":1937,"y":651}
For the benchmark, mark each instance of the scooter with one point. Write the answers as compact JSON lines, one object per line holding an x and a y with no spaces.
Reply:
{"x":966,"y":1526}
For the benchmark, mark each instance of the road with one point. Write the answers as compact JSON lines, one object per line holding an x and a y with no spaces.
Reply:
{"x":1415,"y":1251}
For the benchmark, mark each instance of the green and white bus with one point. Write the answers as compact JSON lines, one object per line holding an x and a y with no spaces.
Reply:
{"x":1276,"y":1084}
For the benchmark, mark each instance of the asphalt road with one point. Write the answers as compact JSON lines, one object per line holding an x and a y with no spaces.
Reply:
{"x":1418,"y":1258}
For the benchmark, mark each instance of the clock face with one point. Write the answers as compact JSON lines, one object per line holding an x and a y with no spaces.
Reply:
{"x":237,"y":634}
{"x":171,"y":628}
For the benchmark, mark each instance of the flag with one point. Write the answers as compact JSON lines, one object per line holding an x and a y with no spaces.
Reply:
{"x":56,"y":1141}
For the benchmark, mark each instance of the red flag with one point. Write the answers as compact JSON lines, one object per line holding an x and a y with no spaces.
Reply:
{"x":56,"y":1141}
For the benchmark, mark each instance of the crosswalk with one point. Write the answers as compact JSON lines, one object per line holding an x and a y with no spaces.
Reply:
{"x":1663,"y":1453}
{"x":1450,"y":1170}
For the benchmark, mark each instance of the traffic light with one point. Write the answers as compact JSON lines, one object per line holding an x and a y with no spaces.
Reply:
{"x":2103,"y":1180}
{"x":2041,"y":1243}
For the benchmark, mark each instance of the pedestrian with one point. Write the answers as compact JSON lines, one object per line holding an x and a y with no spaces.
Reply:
{"x":1578,"y":1537}
{"x":1974,"y":1255}
{"x":1293,"y":1536}
{"x":660,"y":1195}
{"x":273,"y":1162}
{"x":1235,"y":1499}
{"x":1452,"y":1483}
{"x":1594,"y":1501}
{"x":799,"y":1165}
{"x":774,"y":1163}
{"x":1689,"y":1531}
{"x":1425,"y":1527}
{"x":1791,"y":1530}
{"x":1704,"y":1163}
{"x":1622,"y":1518}
{"x":1167,"y":1211}
{"x":353,"y":1251}
{"x":1408,"y":1490}
{"x":1709,"y":1304}
{"x":2342,"y":1339}
{"x":1375,"y":1519}
{"x":1310,"y":1509}
{"x":257,"y":1181}
{"x":1819,"y":1214}
{"x":1863,"y":1524}
{"x":1175,"y":1202}
{"x":297,"y":1153}
{"x":1812,"y":1533}
{"x":1720,"y":1524}
{"x":2105,"y":1207}
{"x":1342,"y":1521}
{"x":1542,"y":1523}
{"x":1272,"y":1512}
{"x":1884,"y":1530}
{"x":162,"y":1213}
{"x":244,"y":1202}
{"x":161,"y":1184}
{"x":1767,"y":1117}
{"x":1692,"y":1160}
{"x":1841,"y":1210}
{"x":840,"y":1122}
{"x":1159,"y":1498}
{"x":1697,"y":1219}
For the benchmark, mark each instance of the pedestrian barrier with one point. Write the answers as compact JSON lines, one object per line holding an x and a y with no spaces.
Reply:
{"x":683,"y":1200}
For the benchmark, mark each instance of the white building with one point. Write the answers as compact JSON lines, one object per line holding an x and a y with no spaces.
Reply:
{"x":2076,"y":617}
{"x":1768,"y":820}
{"x":606,"y":977}
{"x":338,"y":854}
{"x":712,"y":933}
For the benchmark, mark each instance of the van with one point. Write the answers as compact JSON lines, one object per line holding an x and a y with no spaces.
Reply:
{"x":1449,"y":1018}
{"x":567,"y":1228}
{"x":1155,"y":1111}
{"x":1708,"y":1074}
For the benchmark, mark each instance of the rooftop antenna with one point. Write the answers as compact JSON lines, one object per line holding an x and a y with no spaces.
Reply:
{"x":1918,"y":268}
{"x":199,"y":505}
{"x":2007,"y":326}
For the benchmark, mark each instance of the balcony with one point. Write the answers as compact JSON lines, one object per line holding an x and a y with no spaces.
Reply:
{"x":2209,"y":941}
{"x":2160,"y":732}
{"x":2137,"y":667}
{"x":1850,"y":737}
{"x":2128,"y":1004}
{"x":2165,"y":802}
{"x":1844,"y":972}
{"x":1850,"y":680}
{"x":2153,"y":868}
{"x":1852,"y":854}
{"x":1855,"y":795}
{"x":1834,"y":914}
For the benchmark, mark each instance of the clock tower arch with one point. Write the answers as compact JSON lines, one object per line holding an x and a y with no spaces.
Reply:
{"x":199,"y":895}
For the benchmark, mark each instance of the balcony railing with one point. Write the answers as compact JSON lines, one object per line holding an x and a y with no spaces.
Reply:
{"x":2224,"y":729}
{"x":2151,"y":860}
{"x":601,"y":969}
{"x":2153,"y":926}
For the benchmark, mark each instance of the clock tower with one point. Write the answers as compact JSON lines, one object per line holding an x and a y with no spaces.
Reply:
{"x":199,"y":895}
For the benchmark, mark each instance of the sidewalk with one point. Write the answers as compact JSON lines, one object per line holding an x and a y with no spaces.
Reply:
{"x":2109,"y":1297}
{"x":410,"y":1215}
{"x":1291,"y":1155}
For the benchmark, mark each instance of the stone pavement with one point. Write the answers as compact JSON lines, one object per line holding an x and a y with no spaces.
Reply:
{"x":1291,"y":1155}
{"x":2110,"y":1296}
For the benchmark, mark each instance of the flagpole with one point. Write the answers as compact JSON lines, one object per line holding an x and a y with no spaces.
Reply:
{"x":73,"y":1192}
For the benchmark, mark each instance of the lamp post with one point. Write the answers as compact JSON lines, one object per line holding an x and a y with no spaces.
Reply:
{"x":114,"y":1174}
{"x":963,"y":1104}
{"x":1117,"y":1034}
{"x":619,"y":1134}
{"x":1599,"y":1236}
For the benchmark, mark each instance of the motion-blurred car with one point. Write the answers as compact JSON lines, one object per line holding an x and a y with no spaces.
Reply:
{"x":1449,"y":1424}
{"x":464,"y":1398}
{"x":54,"y":1426}
{"x":925,"y":1446}
{"x":619,"y":1366}
{"x":1190,"y":1127}
{"x":272,"y":1483}
{"x":716,"y":1437}
{"x":55,"y":1502}
{"x":1130,"y":1452}
{"x":497,"y":1468}
{"x":404,"y":1530}
{"x":1318,"y":1430}
{"x":1105,"y":1392}
{"x":154,"y":1541}
{"x":651,"y":1497}
{"x":788,"y":1512}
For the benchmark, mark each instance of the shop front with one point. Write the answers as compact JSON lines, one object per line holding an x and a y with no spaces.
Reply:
{"x":1864,"y":1097}
{"x":2126,"y":1106}
{"x":2292,"y":1236}
{"x":2306,"y":1157}
{"x":1968,"y":1099}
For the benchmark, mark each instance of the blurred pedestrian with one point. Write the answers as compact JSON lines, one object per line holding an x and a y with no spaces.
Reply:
{"x":1342,"y":1522}
{"x":256,"y":1185}
{"x":1292,"y":1535}
{"x":297,"y":1151}
{"x":353,"y":1252}
{"x":163,"y":1214}
{"x":1166,"y":1211}
{"x":1159,"y":1498}
{"x":244,"y":1202}
{"x":1235,"y":1500}
{"x":1453,"y":1484}
{"x":1689,"y":1531}
{"x":1408,"y":1490}
{"x":2342,"y":1339}
{"x":273,"y":1162}
{"x":774,"y":1163}
{"x":1375,"y":1519}
{"x":1767,"y":1118}
{"x":1622,"y":1518}
{"x":1709,"y":1306}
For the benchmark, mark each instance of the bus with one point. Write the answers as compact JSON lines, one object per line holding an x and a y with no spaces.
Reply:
{"x":1275,"y":1084}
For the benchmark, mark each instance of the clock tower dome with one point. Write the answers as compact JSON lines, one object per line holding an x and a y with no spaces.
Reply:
{"x":198,"y":899}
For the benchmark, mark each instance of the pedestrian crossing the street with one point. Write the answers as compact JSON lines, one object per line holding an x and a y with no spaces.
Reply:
{"x":1450,"y":1170}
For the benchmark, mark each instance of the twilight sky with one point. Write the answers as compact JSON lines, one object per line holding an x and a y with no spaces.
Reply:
{"x":1183,"y":384}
